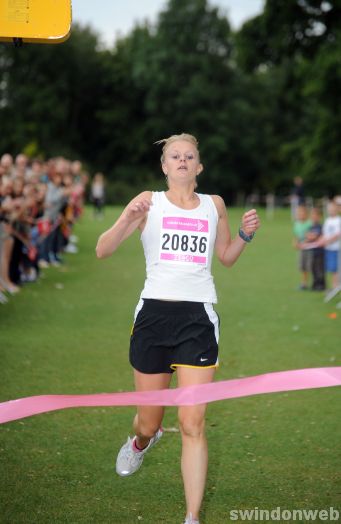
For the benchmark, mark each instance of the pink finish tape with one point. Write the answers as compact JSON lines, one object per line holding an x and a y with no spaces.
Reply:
{"x":187,"y":396}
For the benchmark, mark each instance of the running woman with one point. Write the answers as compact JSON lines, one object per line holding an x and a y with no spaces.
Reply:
{"x":175,"y":325}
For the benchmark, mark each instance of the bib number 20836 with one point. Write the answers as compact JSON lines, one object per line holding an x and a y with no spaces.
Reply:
{"x":184,"y":240}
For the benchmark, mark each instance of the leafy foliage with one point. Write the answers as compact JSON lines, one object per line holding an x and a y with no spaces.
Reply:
{"x":264,"y":101}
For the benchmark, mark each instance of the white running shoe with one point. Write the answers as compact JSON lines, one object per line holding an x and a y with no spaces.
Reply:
{"x":128,"y":461}
{"x":71,"y":248}
{"x":191,"y":520}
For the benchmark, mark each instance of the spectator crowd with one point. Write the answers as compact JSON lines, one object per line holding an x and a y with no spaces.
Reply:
{"x":319,"y":243}
{"x":40,"y":201}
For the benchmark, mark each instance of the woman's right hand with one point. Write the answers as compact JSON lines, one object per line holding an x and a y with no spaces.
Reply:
{"x":130,"y":219}
{"x":137,"y":209}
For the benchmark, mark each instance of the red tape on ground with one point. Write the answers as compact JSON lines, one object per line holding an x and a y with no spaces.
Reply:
{"x":187,"y":396}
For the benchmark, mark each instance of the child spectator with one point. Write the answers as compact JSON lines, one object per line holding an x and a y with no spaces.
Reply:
{"x":331,"y":240}
{"x":313,"y":235}
{"x":300,"y":229}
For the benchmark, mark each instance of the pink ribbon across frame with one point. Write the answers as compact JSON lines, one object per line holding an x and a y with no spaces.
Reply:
{"x":296,"y":379}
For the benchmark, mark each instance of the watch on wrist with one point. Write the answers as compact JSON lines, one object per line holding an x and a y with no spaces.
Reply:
{"x":244,"y":236}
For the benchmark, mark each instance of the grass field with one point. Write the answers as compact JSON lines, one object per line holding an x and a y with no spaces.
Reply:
{"x":69,"y":334}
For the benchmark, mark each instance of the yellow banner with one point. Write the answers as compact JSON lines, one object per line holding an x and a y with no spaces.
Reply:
{"x":40,"y":21}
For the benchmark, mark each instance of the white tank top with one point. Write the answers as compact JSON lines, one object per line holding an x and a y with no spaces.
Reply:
{"x":178,"y":246}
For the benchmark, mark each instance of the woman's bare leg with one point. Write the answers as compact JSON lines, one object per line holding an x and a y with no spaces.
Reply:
{"x":148,"y":418}
{"x":194,"y":459}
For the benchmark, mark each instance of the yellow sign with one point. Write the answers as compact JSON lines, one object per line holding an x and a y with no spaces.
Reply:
{"x":37,"y":21}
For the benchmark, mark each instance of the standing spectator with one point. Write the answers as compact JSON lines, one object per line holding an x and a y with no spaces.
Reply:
{"x":53,"y":203}
{"x":80,"y":181}
{"x":331,"y":237}
{"x":6,"y":163}
{"x":313,"y":235}
{"x":8,"y":215}
{"x":76,"y":169}
{"x":297,"y":196}
{"x":301,"y":227}
{"x":67,"y":215}
{"x":36,"y":172}
{"x":97,"y":194}
{"x":21,"y":166}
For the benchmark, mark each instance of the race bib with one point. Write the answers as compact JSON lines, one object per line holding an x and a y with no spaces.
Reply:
{"x":184,"y":240}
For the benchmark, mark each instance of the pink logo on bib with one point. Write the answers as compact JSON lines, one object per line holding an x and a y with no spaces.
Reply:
{"x":185,"y":224}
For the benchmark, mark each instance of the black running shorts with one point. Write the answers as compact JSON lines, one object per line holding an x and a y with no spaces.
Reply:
{"x":168,"y":334}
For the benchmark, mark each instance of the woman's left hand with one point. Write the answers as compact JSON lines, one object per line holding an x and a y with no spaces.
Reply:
{"x":250,"y":222}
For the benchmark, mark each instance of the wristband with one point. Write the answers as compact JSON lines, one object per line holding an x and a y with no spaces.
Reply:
{"x":244,"y":236}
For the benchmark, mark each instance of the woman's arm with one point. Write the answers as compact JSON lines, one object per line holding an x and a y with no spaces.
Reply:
{"x":132,"y":217}
{"x":228,"y":250}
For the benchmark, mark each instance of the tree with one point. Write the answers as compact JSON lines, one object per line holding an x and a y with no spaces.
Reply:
{"x":287,"y":29}
{"x":191,"y":85}
{"x":293,"y":47}
{"x":50,"y":94}
{"x":321,"y":147}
